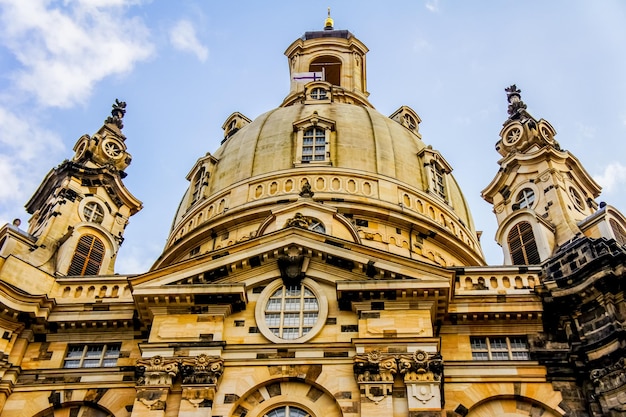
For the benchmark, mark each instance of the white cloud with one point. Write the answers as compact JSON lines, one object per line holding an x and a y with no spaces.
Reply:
{"x":183,"y":37}
{"x":136,"y":258}
{"x":614,"y":174}
{"x":65,"y":50}
{"x":432,"y":5}
{"x":25,"y":151}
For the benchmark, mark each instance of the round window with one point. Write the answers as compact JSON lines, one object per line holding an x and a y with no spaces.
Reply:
{"x":525,"y":199}
{"x":93,"y":212}
{"x":513,"y":135}
{"x":112,"y":148}
{"x":576,"y":198}
{"x":293,"y":312}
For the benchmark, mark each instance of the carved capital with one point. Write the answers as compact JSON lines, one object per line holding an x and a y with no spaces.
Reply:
{"x":156,"y":371}
{"x":202,"y":370}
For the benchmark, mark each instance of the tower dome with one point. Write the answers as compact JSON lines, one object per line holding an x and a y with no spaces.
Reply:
{"x":327,"y":161}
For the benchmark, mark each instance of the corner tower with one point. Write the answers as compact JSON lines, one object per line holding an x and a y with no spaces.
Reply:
{"x":541,"y":193}
{"x":80,"y":210}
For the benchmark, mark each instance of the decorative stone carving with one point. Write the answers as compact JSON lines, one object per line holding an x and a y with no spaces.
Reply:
{"x":306,"y":190}
{"x":422,"y":373}
{"x":202,"y":369}
{"x":117,"y":114}
{"x":153,"y":398}
{"x":299,"y":220}
{"x":156,"y":371}
{"x":200,"y":376}
{"x":609,"y":378}
{"x":516,"y":105}
{"x":291,"y":266}
{"x":374,"y":372}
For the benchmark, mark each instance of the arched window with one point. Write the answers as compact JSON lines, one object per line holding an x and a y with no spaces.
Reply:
{"x":522,"y":245}
{"x":619,"y":233}
{"x":314,"y":144}
{"x":330,"y":66}
{"x":287,"y":411}
{"x":88,"y":256}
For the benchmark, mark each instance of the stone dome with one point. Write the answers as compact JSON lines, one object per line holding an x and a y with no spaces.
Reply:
{"x":328,"y":156}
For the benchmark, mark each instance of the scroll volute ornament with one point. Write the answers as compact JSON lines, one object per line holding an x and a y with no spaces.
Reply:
{"x":156,"y":371}
{"x":203,"y":369}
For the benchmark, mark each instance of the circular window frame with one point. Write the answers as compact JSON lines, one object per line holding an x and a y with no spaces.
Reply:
{"x":576,"y":197}
{"x":506,"y":136}
{"x":109,"y":144}
{"x":83,"y":204}
{"x":519,"y":193}
{"x":264,"y":297}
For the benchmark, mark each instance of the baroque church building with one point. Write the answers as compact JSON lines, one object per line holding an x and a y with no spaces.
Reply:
{"x":323,"y":262}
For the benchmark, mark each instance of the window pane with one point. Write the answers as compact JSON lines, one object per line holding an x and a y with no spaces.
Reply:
{"x":310,"y":304}
{"x":292,"y":319}
{"x":292,"y":291}
{"x":290,"y":333}
{"x":75,"y":352}
{"x":272,"y":319}
{"x":71,"y":364}
{"x":309,"y":319}
{"x":94,"y":351}
{"x":273,"y":305}
{"x":292,"y":304}
{"x":91,"y":363}
{"x":480,"y":356}
{"x":500,"y":356}
{"x":498,"y":343}
{"x":518,"y":343}
{"x":478,"y":344}
{"x":110,"y":362}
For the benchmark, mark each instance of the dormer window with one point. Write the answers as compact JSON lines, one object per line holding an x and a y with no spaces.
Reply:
{"x":407,"y":117}
{"x":438,"y":181}
{"x":436,"y":170}
{"x":313,"y":136}
{"x":197,"y":186}
{"x":410,"y":121}
{"x":314,"y":145}
{"x":233,"y":124}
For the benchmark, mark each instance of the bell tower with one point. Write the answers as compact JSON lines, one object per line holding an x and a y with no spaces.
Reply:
{"x":327,"y":63}
{"x":541,"y":193}
{"x":81,"y":208}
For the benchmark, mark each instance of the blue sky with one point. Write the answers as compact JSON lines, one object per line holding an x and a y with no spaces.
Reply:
{"x":184,"y":66}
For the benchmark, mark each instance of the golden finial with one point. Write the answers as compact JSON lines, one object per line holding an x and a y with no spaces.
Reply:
{"x":328,"y":24}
